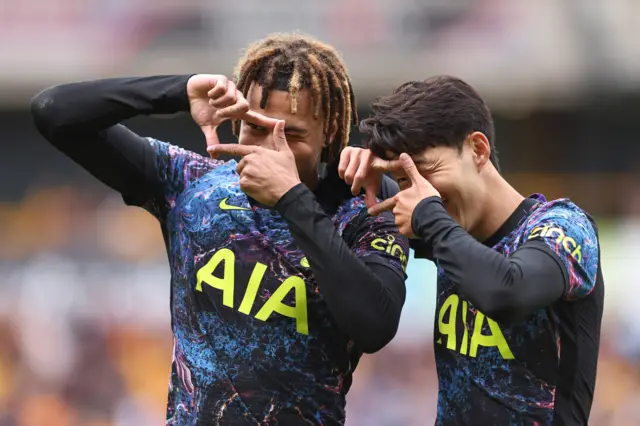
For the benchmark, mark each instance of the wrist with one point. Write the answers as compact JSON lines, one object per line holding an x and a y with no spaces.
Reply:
{"x":169,"y":93}
{"x":289,"y":197}
{"x":285,"y":189}
{"x":426,"y":211}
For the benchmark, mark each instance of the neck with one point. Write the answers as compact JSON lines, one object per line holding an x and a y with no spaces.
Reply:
{"x":310,"y":179}
{"x":500,"y":203}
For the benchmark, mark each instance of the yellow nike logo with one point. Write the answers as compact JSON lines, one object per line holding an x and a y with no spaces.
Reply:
{"x":225,"y":206}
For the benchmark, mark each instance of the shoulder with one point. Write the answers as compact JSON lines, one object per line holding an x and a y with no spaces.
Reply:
{"x":353,"y":219}
{"x":354,"y":213}
{"x":349,"y":212}
{"x":179,"y":167}
{"x":174,"y":153}
{"x":561,"y":219}
{"x":570,"y":233}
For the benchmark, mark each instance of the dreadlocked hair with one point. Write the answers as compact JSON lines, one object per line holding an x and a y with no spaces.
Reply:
{"x":294,"y":62}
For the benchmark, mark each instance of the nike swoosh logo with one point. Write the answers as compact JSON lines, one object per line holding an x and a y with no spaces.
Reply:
{"x":225,"y":206}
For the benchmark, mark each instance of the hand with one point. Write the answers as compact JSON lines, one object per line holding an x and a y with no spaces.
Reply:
{"x":203,"y":113}
{"x":404,"y":203}
{"x":359,"y":167}
{"x":265,"y":174}
{"x":213,"y":99}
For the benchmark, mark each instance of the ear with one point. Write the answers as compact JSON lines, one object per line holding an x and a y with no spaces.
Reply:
{"x":480,"y":147}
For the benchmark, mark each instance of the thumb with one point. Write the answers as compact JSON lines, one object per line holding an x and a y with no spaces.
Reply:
{"x":410,"y":168}
{"x":279,"y":137}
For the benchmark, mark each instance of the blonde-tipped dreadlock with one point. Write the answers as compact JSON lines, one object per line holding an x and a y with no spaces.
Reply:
{"x":301,"y":62}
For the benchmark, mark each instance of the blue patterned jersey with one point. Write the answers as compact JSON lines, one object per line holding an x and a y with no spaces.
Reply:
{"x":523,"y":373}
{"x":254,"y":342}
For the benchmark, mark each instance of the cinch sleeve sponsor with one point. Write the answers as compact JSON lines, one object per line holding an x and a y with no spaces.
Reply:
{"x":378,"y":237}
{"x":567,"y":230}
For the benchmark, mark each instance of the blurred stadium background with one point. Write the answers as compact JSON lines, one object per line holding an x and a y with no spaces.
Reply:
{"x":84,"y":317}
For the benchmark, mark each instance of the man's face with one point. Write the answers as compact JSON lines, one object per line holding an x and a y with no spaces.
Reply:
{"x":304,"y":134}
{"x":456,"y":176}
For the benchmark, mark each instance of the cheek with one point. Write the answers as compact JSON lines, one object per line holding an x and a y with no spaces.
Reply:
{"x":304,"y":152}
{"x":444,"y":185}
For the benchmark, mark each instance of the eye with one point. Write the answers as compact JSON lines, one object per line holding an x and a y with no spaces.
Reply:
{"x":255,"y":127}
{"x":403,"y":182}
{"x":294,"y":136}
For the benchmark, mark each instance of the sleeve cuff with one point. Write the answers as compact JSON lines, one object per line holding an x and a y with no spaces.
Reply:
{"x":176,"y":96}
{"x":424,"y":211}
{"x":288,"y":199}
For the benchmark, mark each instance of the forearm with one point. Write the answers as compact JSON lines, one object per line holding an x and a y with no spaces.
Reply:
{"x":365,"y":305}
{"x":505,"y":288}
{"x":96,"y":105}
{"x":81,"y":120}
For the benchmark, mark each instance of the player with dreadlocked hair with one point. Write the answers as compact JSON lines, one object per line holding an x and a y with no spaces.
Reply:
{"x":293,"y":62}
{"x":280,"y":280}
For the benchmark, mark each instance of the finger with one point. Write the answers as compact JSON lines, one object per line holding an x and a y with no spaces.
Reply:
{"x":211,"y":135}
{"x":239,"y":109}
{"x":232,"y":149}
{"x":245,"y":183}
{"x":259,"y":119}
{"x":361,"y":173}
{"x":242,"y":164}
{"x":370,"y":195}
{"x":352,"y":168}
{"x":219,"y":89}
{"x":406,"y":230}
{"x":385,"y":206}
{"x":380,"y":165}
{"x":279,"y":137}
{"x":345,"y":157}
{"x":410,"y":168}
{"x":228,"y":98}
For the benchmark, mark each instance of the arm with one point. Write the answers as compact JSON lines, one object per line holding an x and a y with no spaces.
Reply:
{"x":81,"y":120}
{"x":363,"y":288}
{"x":537,"y":274}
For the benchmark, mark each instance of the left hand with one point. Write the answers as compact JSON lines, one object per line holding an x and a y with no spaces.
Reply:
{"x":360,"y":167}
{"x":404,"y":203}
{"x":265,"y":174}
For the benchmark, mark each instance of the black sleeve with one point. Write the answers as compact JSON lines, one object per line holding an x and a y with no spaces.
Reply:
{"x":81,"y":120}
{"x":364,"y":295}
{"x":504,"y":288}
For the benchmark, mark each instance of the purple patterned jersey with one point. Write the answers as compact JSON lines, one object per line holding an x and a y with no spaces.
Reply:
{"x":254,"y":342}
{"x":512,"y":374}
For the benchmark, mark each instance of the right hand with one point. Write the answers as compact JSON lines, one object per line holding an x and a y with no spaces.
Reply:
{"x":213,"y":98}
{"x":203,"y":113}
{"x":360,"y":167}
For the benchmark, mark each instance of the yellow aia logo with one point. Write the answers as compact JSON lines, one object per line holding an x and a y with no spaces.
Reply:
{"x":448,"y":323}
{"x":227,"y":284}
